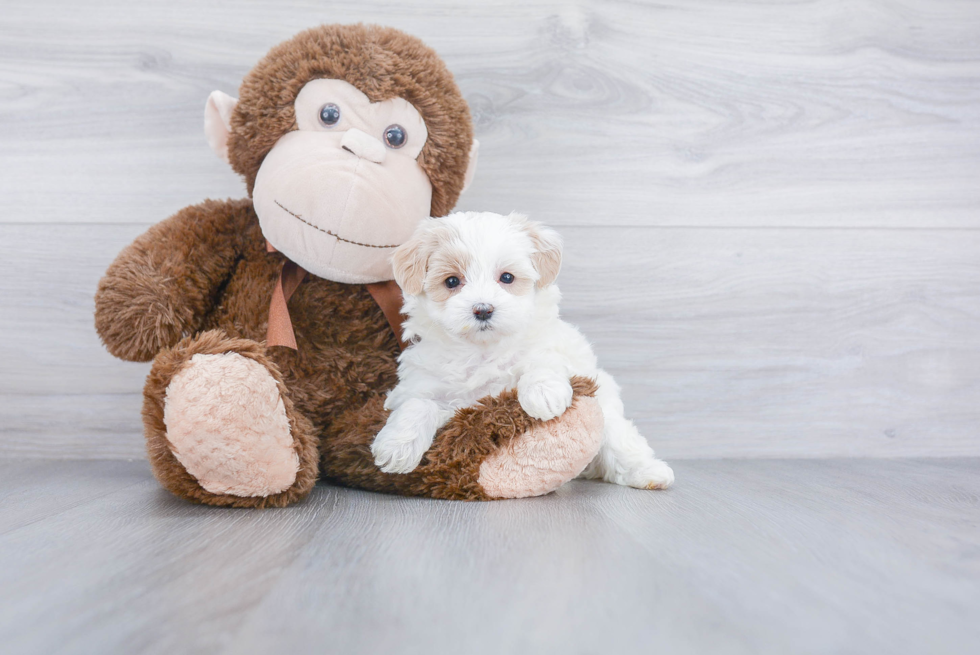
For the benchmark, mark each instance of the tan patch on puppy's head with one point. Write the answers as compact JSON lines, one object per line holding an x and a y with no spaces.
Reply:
{"x":428,"y":254}
{"x":547,"y":252}
{"x":448,"y":259}
{"x":523,"y":273}
{"x":408,"y":263}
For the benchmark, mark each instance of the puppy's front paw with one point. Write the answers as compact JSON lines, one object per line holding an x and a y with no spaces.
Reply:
{"x":544,"y":394}
{"x":655,"y":474}
{"x":406,"y":436}
{"x":398,"y":451}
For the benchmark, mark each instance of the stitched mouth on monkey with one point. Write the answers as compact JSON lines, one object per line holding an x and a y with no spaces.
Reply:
{"x":337,"y":215}
{"x":326,"y":231}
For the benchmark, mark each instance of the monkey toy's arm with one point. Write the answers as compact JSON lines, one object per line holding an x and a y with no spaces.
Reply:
{"x":162,"y":286}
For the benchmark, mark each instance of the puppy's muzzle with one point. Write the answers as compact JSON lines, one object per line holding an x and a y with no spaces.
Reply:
{"x":482,"y":312}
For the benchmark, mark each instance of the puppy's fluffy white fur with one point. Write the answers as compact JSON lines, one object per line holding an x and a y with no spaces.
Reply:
{"x":483,"y":317}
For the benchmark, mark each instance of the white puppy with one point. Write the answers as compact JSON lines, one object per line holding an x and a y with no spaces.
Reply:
{"x":483,"y":317}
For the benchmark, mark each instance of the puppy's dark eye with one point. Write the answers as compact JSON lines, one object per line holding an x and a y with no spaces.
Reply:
{"x":452,"y":282}
{"x":329,"y":114}
{"x":395,"y":136}
{"x":506,"y":278}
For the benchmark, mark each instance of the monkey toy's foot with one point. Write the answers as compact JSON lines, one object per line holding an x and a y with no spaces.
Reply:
{"x":549,"y":453}
{"x":227,"y":434}
{"x":491,"y":451}
{"x":228,"y":426}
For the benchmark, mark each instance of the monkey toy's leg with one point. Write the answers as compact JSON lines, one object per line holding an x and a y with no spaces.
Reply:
{"x":220,"y":427}
{"x":490,"y":451}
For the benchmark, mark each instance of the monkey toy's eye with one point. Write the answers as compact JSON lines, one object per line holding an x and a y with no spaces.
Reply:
{"x":329,"y":114}
{"x":506,"y":278}
{"x":395,"y":136}
{"x":452,"y":282}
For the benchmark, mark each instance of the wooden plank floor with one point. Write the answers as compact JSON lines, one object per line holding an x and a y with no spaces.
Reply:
{"x":742,"y":556}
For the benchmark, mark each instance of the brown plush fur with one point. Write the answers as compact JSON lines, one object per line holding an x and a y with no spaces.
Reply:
{"x":165,"y":283}
{"x":201,"y":282}
{"x":451,"y":467}
{"x":382,"y":62}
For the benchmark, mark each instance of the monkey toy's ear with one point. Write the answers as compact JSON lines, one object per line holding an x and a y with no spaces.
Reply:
{"x":217,"y":121}
{"x":471,"y":167}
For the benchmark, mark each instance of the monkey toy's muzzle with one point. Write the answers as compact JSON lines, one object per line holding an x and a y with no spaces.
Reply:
{"x":337,"y":205}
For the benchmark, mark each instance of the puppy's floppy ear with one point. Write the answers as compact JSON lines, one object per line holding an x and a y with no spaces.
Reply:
{"x":547,"y":252}
{"x":409,"y":262}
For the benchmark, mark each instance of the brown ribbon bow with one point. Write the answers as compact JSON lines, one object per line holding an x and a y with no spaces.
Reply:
{"x":280,"y":330}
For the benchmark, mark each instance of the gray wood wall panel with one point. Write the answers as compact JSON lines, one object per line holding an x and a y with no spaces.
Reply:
{"x":677,"y":113}
{"x":727,"y":342}
{"x":771,"y":209}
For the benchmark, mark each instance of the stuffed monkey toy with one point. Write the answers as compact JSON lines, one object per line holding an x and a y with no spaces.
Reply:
{"x":272,"y":321}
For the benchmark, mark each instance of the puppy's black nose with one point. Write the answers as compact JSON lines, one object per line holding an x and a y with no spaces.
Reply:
{"x":483,"y":312}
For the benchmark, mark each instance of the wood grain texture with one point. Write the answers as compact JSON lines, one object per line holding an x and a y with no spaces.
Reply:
{"x":715,"y":113}
{"x":833,"y":556}
{"x":755,"y":342}
{"x":771,"y":208}
{"x":32,"y":491}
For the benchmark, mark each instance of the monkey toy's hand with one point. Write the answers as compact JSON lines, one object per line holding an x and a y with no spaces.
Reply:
{"x":160,"y":288}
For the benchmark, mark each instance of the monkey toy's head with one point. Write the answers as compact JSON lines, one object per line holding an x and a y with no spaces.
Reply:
{"x":348,"y":136}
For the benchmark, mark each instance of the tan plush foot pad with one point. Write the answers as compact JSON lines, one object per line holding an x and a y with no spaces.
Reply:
{"x":228,"y":427}
{"x":547,"y":456}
